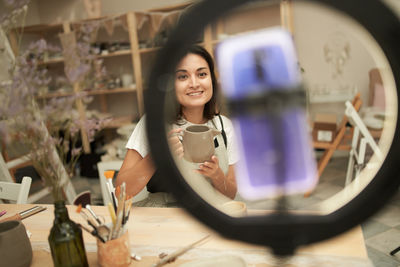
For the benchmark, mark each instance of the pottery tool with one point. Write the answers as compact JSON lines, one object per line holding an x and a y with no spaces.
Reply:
{"x":120,"y":210}
{"x":176,"y":254}
{"x":103,"y":231}
{"x":113,"y":219}
{"x":2,"y":212}
{"x":24,"y":214}
{"x":88,"y":219}
{"x":135,"y":257}
{"x":109,"y":176}
{"x":110,"y":191}
{"x":93,"y":232}
{"x":123,"y":200}
{"x":89,"y":208}
{"x":128,"y":205}
{"x":112,"y":213}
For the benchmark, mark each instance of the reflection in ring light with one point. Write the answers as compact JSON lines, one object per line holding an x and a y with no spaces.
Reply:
{"x":326,"y":206}
{"x":373,"y":165}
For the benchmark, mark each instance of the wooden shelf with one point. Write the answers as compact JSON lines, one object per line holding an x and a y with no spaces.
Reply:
{"x":112,"y":54}
{"x":116,"y":53}
{"x":111,"y":91}
{"x":153,"y":49}
{"x":39,"y":28}
{"x":90,"y":92}
{"x":56,"y":61}
{"x":119,"y":122}
{"x":149,"y":50}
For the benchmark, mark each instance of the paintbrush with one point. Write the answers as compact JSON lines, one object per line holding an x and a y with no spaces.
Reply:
{"x":113,"y":219}
{"x":109,"y":176}
{"x":89,"y":220}
{"x":177,"y":253}
{"x":93,"y":232}
{"x":120,"y":190}
{"x":89,"y":208}
{"x":128,"y":205}
{"x":24,"y":214}
{"x":112,"y":196}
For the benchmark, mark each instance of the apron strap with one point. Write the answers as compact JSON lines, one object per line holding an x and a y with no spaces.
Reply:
{"x":223,"y":131}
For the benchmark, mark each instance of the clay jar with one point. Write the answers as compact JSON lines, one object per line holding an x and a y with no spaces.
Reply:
{"x":198,"y":143}
{"x":15,"y":246}
{"x":115,"y":252}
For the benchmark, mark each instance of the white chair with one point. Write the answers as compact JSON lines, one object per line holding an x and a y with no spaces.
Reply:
{"x":16,"y":192}
{"x":115,"y":166}
{"x":5,"y":175}
{"x":361,"y":138}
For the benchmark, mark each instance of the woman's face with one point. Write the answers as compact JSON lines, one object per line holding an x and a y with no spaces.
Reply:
{"x":193,"y":84}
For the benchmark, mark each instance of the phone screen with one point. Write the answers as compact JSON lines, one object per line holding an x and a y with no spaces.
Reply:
{"x":276,"y":152}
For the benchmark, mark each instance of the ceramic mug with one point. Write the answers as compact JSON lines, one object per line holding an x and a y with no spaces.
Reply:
{"x":198,"y":143}
{"x":234,"y":208}
{"x":15,"y":246}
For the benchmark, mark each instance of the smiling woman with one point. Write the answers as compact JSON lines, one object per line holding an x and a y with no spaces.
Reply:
{"x":193,"y":86}
{"x":196,"y":98}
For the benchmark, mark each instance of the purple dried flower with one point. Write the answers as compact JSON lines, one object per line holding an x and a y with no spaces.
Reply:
{"x":76,"y":74}
{"x":20,"y":115}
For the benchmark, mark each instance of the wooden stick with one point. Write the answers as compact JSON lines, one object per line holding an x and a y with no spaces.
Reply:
{"x":179,"y":252}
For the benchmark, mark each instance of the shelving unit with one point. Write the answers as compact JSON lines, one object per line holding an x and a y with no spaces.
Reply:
{"x":132,"y":58}
{"x":134,"y":92}
{"x":90,"y":92}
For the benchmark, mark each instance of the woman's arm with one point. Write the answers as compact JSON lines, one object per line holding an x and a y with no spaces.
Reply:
{"x":135,"y":172}
{"x":226,"y":184}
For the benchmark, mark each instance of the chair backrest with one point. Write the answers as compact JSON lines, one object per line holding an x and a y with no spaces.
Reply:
{"x":102,"y":167}
{"x":4,"y":171}
{"x":17,"y":192}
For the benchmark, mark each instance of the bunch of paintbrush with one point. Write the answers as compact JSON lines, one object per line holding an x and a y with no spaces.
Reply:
{"x":99,"y":229}
{"x":119,"y":214}
{"x":121,"y":204}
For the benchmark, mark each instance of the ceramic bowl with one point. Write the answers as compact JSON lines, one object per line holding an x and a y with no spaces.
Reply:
{"x":15,"y":246}
{"x":234,"y":208}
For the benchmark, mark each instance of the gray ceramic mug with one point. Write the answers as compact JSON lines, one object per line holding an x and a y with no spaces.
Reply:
{"x":198,"y":143}
{"x":15,"y":246}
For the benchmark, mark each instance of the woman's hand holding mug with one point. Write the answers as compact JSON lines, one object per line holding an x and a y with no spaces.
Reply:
{"x":175,"y":143}
{"x":210,"y":168}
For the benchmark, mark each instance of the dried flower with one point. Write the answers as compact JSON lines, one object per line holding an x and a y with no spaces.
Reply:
{"x":49,"y":130}
{"x":11,"y":11}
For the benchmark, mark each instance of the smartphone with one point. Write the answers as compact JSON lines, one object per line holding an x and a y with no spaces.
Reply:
{"x":276,"y":152}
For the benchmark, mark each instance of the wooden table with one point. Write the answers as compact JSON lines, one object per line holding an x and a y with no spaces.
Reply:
{"x":156,"y":230}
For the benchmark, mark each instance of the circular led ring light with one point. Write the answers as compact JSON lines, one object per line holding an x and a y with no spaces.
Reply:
{"x":282,"y":232}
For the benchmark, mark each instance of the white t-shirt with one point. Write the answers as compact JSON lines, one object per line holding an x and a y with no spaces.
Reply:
{"x":138,"y":140}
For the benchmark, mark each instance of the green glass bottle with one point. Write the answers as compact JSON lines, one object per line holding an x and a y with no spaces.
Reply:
{"x":65,"y":239}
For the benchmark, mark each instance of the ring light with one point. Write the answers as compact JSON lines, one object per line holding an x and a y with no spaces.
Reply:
{"x":283,"y":232}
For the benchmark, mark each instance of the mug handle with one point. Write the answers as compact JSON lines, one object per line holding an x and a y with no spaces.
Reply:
{"x":180,"y":135}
